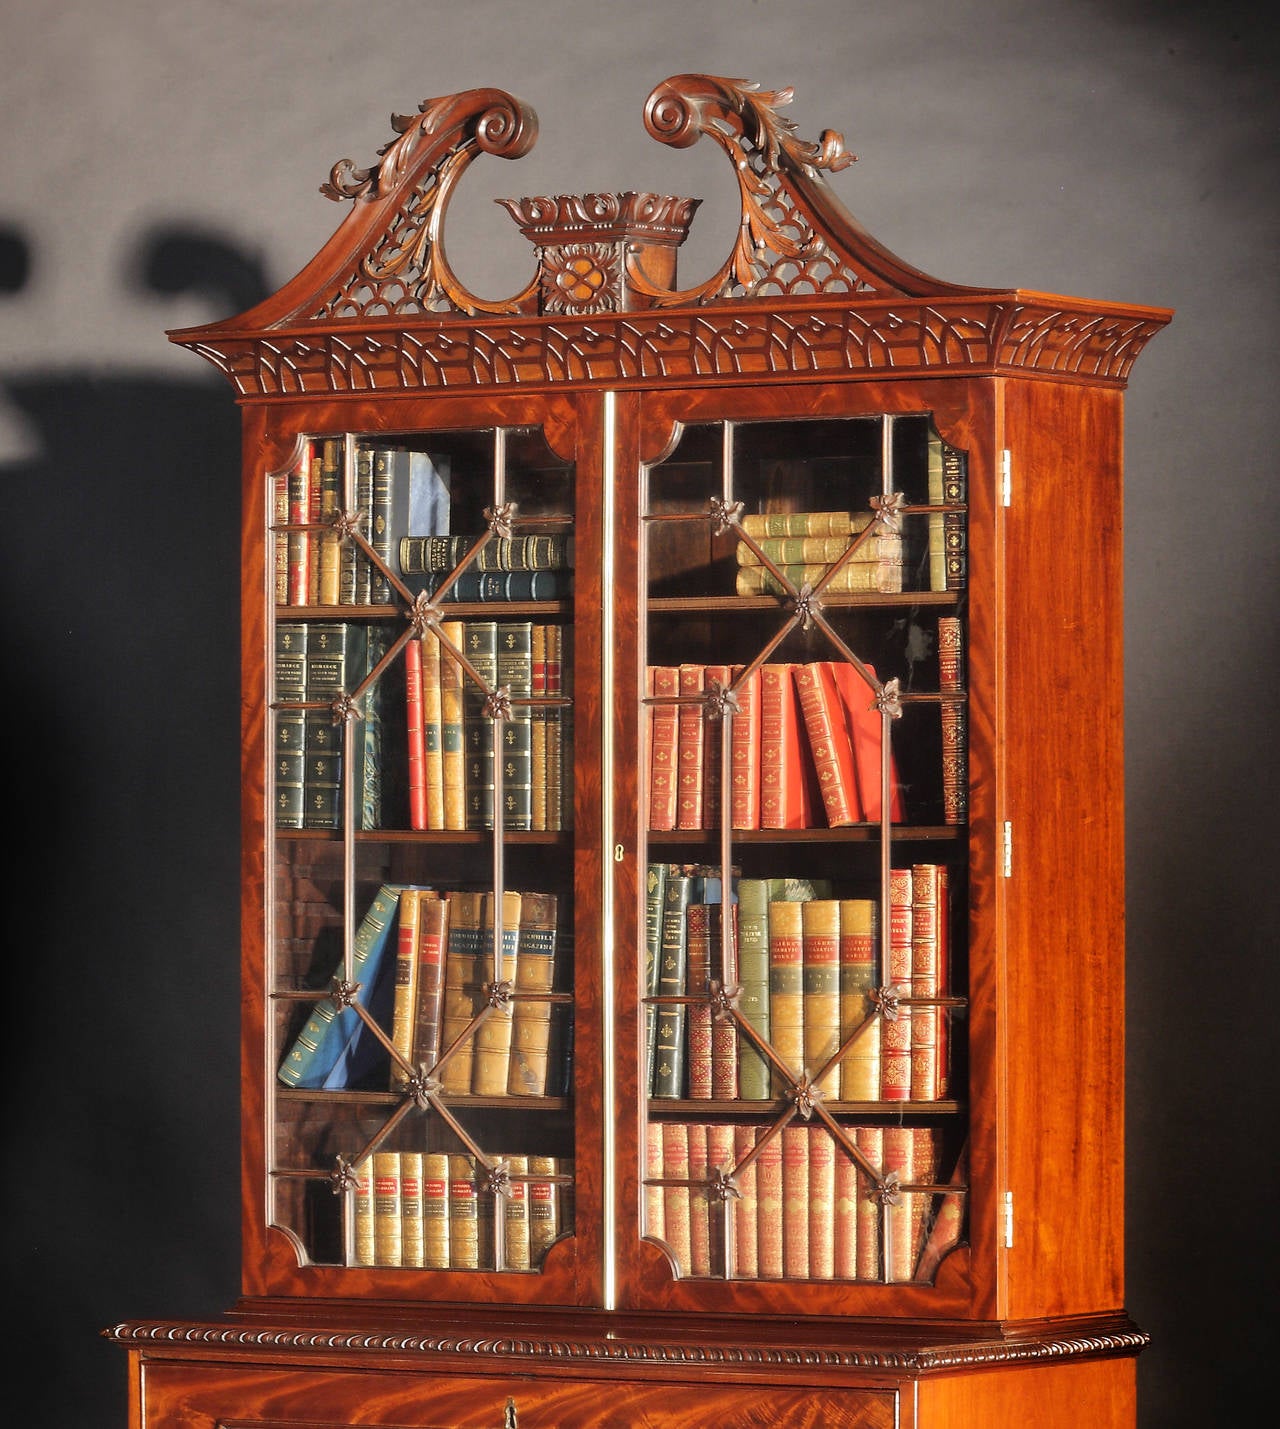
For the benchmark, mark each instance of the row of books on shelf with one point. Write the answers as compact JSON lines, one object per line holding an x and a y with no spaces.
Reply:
{"x":403,"y":499}
{"x":808,"y":970}
{"x":453,"y":763}
{"x":749,"y":1202}
{"x":436,"y":1210}
{"x":871,"y":556}
{"x":425,"y":965}
{"x":432,"y":748}
{"x":805,"y":742}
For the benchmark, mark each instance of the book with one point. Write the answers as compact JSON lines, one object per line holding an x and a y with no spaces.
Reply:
{"x":654,"y":901}
{"x":830,"y":741}
{"x":421,"y":554}
{"x":955,"y":492}
{"x":690,"y":744}
{"x":415,"y":753}
{"x":800,"y":550}
{"x":724,"y":970}
{"x":328,"y":541}
{"x":390,"y":474}
{"x":433,"y":937}
{"x":761,"y":525}
{"x":770,"y":1207}
{"x":412,"y":1249}
{"x":360,"y":578}
{"x":491,"y":1055}
{"x":681,"y":890}
{"x":870,"y":1141}
{"x":699,"y":1262}
{"x":844,"y":1218}
{"x":786,"y":986}
{"x":545,"y":1206}
{"x":787,"y":779}
{"x":538,"y":727}
{"x":559,"y":721}
{"x":453,"y":760}
{"x":677,"y":1231}
{"x":654,"y":1223}
{"x":929,"y":919}
{"x":289,"y":724}
{"x":280,"y":536}
{"x":388,"y":1243}
{"x":899,"y":1143}
{"x":795,"y":1200}
{"x":478,"y":726}
{"x":955,"y":721}
{"x":515,"y":675}
{"x":375,"y":731}
{"x":315,"y":1051}
{"x":404,"y":1011}
{"x":745,"y":752}
{"x":535,"y":979}
{"x":720,"y":1163}
{"x":698,"y":1017}
{"x":820,"y":964}
{"x":859,"y":977}
{"x":754,"y":1073}
{"x":464,"y":1213}
{"x":515,"y":1214}
{"x":435,"y":1210}
{"x":866,"y":726}
{"x":465,"y":973}
{"x":895,"y":1033}
{"x":432,"y":746}
{"x":299,"y":539}
{"x":716,"y":678}
{"x":884,"y":576}
{"x":334,"y":664}
{"x":663,"y":688}
{"x":745,"y":1261}
{"x":363,"y":1247}
{"x":496,"y":587}
{"x":822,"y":1202}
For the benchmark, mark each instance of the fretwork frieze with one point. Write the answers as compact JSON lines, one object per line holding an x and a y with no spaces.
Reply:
{"x":638,"y":349}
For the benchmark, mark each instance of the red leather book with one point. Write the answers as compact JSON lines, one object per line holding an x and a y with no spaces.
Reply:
{"x":955,"y":722}
{"x":844,"y":1219}
{"x":691,"y":729}
{"x":830,"y":741}
{"x":698,"y":1014}
{"x":822,"y":1203}
{"x":870,"y":1141}
{"x":899,"y":1158}
{"x":404,"y":1005}
{"x":745,"y":1261}
{"x":745,"y":754}
{"x":795,"y":1201}
{"x":699,"y":1200}
{"x":433,"y":936}
{"x":675,"y":1198}
{"x":866,"y":733}
{"x":724,"y":1031}
{"x":663,"y":742}
{"x":895,"y":1033}
{"x":769,"y":1209}
{"x":713,"y":734}
{"x":720,"y":1162}
{"x":787,"y":783}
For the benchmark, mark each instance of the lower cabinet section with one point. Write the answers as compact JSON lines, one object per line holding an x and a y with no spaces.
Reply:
{"x":216,"y":1397}
{"x":488,"y":1375}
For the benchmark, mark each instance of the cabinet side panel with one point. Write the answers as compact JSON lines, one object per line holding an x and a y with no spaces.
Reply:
{"x":1097,"y":1392}
{"x":1064,"y":802}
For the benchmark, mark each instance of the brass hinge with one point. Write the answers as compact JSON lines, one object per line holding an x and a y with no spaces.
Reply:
{"x":1006,"y":478}
{"x":1007,"y":1210}
{"x":1006,"y":851}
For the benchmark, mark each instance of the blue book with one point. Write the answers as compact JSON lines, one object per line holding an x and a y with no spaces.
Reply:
{"x":326,"y":1041}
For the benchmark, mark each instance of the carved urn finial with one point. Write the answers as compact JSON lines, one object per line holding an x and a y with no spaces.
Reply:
{"x":603,"y":253}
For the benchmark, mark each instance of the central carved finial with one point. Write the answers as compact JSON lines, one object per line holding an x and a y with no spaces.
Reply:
{"x":597,"y":253}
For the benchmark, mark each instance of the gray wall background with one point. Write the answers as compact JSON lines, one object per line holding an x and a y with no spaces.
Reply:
{"x":160,"y":168}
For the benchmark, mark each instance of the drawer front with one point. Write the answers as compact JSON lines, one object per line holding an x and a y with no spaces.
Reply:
{"x":185,"y":1396}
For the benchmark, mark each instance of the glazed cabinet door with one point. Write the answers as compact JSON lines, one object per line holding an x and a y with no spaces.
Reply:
{"x":802,"y":882}
{"x":422,"y":1126}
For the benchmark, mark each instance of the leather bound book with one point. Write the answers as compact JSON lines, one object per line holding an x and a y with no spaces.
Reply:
{"x":453,"y":763}
{"x":895,"y":1034}
{"x":795,"y":1200}
{"x":699,"y":1201}
{"x":514,"y":1207}
{"x":769,"y":1208}
{"x":411,"y":1244}
{"x":844,"y":1219}
{"x":433,"y":936}
{"x":675,"y":1197}
{"x":664,"y":748}
{"x":754,"y":1075}
{"x":404,"y":1009}
{"x":465,"y":973}
{"x":820,"y":961}
{"x":870,"y":1141}
{"x":535,"y":977}
{"x":822,"y":1202}
{"x":859,"y":976}
{"x":745,"y":754}
{"x":786,"y":984}
{"x":746,"y":1232}
{"x":491,"y":1062}
{"x":464,"y":1214}
{"x":435,"y":1210}
{"x":830,"y":742}
{"x":387,"y":1229}
{"x":691,"y":732}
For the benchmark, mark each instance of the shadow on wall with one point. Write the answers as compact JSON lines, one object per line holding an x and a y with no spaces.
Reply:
{"x":120,"y":589}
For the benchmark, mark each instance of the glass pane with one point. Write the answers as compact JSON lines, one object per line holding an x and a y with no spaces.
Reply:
{"x":806,"y":795}
{"x":421,"y":953}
